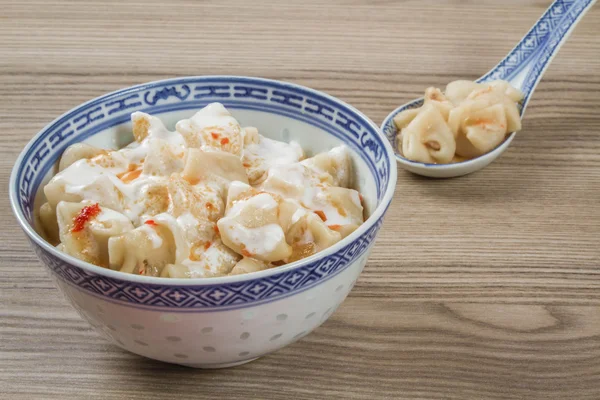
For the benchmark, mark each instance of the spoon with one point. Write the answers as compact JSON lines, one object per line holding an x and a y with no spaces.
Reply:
{"x":523,"y":68}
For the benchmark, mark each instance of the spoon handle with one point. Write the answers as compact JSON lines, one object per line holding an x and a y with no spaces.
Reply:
{"x":524,"y":66}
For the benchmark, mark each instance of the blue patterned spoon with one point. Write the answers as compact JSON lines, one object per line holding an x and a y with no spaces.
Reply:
{"x":523,"y":67}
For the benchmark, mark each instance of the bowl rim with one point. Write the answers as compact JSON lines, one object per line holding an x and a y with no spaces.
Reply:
{"x":373,"y":219}
{"x":388,"y":120}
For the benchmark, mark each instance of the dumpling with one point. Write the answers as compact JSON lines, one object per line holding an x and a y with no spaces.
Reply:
{"x":146,"y":126}
{"x":56,"y":190}
{"x":250,"y":135}
{"x":436,"y":98}
{"x":211,"y":259}
{"x":247,"y":265}
{"x":405,"y":117}
{"x":203,"y":200}
{"x":85,"y":230}
{"x":313,"y":190}
{"x":76,"y":152}
{"x":309,"y":235}
{"x":458,"y":91}
{"x":339,"y":208}
{"x":184,"y":230}
{"x":213,"y":126}
{"x":49,"y":223}
{"x":162,"y":159}
{"x":199,"y":252}
{"x":144,"y":251}
{"x":496,"y":94}
{"x":483,"y":119}
{"x":295,"y":181}
{"x":428,"y":138}
{"x":506,"y":88}
{"x":218,"y":166}
{"x":336,"y":162}
{"x":175,"y":271}
{"x":251,"y":226}
{"x":485,"y":129}
{"x":154,"y":198}
{"x":263,"y":154}
{"x":93,"y":179}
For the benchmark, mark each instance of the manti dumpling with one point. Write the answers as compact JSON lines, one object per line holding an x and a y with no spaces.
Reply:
{"x":85,"y":230}
{"x":76,"y":152}
{"x":339,"y":208}
{"x":335,"y":162}
{"x":263,"y":226}
{"x":308,"y":235}
{"x":480,"y":123}
{"x":143,"y":251}
{"x":458,"y":91}
{"x":314,"y":189}
{"x":251,"y":225}
{"x":213,"y":126}
{"x":247,"y":265}
{"x":433,"y":97}
{"x":471,"y":119}
{"x":190,"y":221}
{"x":427,"y":138}
{"x":216,"y":166}
{"x":262,"y":154}
{"x":196,"y":251}
{"x":162,"y":159}
{"x":131,"y":181}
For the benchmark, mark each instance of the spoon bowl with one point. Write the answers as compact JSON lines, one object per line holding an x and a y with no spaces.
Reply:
{"x":523,"y":68}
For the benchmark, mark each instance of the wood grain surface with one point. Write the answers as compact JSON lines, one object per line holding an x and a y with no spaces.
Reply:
{"x":482,"y":287}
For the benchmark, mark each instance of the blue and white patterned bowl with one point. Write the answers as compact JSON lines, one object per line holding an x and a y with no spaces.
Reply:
{"x":225,"y":321}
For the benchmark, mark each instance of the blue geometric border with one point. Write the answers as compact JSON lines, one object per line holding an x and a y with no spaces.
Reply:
{"x":218,"y":297}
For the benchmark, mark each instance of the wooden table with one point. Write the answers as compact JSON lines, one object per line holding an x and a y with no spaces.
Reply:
{"x":483,"y":287}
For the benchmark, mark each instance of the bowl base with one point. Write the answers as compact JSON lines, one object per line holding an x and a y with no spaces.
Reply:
{"x":219,"y":366}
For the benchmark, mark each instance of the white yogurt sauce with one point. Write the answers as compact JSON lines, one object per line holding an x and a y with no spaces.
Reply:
{"x":260,"y":240}
{"x":152,"y":234}
{"x":212,"y":115}
{"x":271,"y":153}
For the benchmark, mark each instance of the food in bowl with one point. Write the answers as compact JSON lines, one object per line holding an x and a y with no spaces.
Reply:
{"x":223,"y":321}
{"x":466,"y":121}
{"x":211,"y":198}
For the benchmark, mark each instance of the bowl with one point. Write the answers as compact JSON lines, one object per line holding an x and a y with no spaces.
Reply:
{"x":225,"y":321}
{"x":438,"y":170}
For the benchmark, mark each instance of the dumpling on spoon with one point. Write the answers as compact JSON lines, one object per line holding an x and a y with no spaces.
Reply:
{"x":482,"y":132}
{"x":458,"y":91}
{"x":468,"y":120}
{"x":427,"y":138}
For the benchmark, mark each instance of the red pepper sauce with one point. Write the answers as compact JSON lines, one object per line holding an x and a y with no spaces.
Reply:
{"x":321,"y":214}
{"x":86,"y":213}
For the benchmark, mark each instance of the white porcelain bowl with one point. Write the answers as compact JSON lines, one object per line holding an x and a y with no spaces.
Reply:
{"x":216,"y":322}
